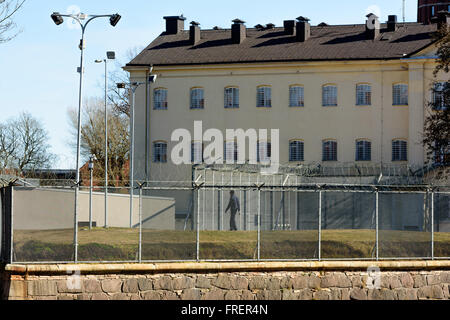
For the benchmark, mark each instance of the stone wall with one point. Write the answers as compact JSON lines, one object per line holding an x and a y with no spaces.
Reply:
{"x":238,"y":285}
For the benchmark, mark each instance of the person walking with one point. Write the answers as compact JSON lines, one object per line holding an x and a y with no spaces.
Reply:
{"x":235,"y":207}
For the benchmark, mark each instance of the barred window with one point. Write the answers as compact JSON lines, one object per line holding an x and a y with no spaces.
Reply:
{"x":363,"y":95}
{"x":400,"y":94}
{"x":231,"y":98}
{"x":329,"y":151}
{"x":363,"y":150}
{"x":399,"y":150}
{"x":159,"y":152}
{"x":296,"y":96}
{"x":197,"y":98}
{"x":296,"y":151}
{"x":264,"y":150}
{"x":230,"y":151}
{"x":329,"y":95}
{"x":439,"y":96}
{"x":196,"y":152}
{"x":160,"y":99}
{"x":264,"y":97}
{"x":442,"y":153}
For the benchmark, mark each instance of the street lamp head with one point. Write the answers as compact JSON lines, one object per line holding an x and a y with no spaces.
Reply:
{"x":121,"y":85}
{"x":114,"y":19}
{"x":98,"y":61}
{"x":111,"y":55}
{"x":152,"y":78}
{"x":57,"y":19}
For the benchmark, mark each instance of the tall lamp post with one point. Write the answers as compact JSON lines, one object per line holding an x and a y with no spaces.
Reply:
{"x":133,"y":86}
{"x":80,"y":18}
{"x":110,"y":55}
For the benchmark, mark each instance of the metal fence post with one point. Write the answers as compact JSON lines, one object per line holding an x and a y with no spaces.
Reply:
{"x":140,"y":224}
{"x":320,"y":224}
{"x":376,"y":223}
{"x":198,"y":226}
{"x":259,"y":224}
{"x":432,"y":225}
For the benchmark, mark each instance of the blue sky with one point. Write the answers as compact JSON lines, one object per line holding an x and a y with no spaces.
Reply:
{"x":38,"y":68}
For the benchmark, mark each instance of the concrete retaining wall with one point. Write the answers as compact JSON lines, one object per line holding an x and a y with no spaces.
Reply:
{"x":268,"y":281}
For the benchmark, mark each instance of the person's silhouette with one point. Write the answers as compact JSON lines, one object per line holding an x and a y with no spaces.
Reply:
{"x":235,"y":207}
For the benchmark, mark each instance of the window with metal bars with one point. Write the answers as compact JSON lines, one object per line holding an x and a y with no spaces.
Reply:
{"x":296,"y":151}
{"x":230,"y":151}
{"x":329,"y":150}
{"x":296,"y":96}
{"x":400,"y":94}
{"x":231,"y":98}
{"x":399,"y":150}
{"x":329,"y":96}
{"x":264,"y":150}
{"x":363,"y":150}
{"x":160,"y":99}
{"x":438,"y":96}
{"x":363,"y":95}
{"x":159,"y":152}
{"x":442,"y":154}
{"x":264,"y":97}
{"x":196,"y":152}
{"x":197,"y":98}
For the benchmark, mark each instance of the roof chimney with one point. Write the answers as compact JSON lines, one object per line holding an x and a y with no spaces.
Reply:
{"x":303,"y":29}
{"x":442,"y":18}
{"x":372,"y":26}
{"x":392,"y":23}
{"x":174,"y":24}
{"x":194,"y":33}
{"x":289,"y":27}
{"x":238,"y":31}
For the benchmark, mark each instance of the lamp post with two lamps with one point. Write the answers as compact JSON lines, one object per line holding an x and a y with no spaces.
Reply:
{"x":80,"y":18}
{"x":133,"y":86}
{"x":110,"y":55}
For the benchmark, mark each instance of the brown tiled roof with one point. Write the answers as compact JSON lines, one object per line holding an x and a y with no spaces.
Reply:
{"x":341,"y":42}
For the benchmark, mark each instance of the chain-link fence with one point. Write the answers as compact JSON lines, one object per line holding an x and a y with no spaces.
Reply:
{"x":236,"y":220}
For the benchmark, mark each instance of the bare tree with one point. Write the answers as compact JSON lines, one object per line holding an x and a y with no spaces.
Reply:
{"x":437,"y":121}
{"x":93,"y":140}
{"x":24,"y":145}
{"x":8,"y":28}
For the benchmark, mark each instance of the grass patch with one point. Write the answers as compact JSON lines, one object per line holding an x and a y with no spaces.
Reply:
{"x":116,"y":244}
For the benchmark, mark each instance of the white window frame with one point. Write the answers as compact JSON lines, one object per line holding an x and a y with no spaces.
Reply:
{"x":264,"y":96}
{"x":400,"y":152}
{"x":329,"y":95}
{"x":400,"y":92}
{"x":363,"y":94}
{"x":296,"y":96}
{"x":231,"y":97}
{"x":160,"y":99}
{"x":197,"y":98}
{"x":299,"y":147}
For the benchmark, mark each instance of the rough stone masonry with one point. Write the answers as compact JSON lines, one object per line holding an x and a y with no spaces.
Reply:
{"x":236,"y":285}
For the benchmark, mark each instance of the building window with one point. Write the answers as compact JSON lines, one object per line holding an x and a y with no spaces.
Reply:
{"x":160,"y":99}
{"x":296,"y":96}
{"x":296,"y":151}
{"x":432,"y":10}
{"x":438,"y":96}
{"x":363,"y":150}
{"x":231,"y":98}
{"x":329,"y":150}
{"x":329,"y":96}
{"x":363,"y":95}
{"x":197,"y":98}
{"x":159,"y":152}
{"x":264,"y":151}
{"x":400,"y":94}
{"x":230,"y":151}
{"x":264,"y":97}
{"x":442,"y":154}
{"x":399,"y":150}
{"x":196,"y":152}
